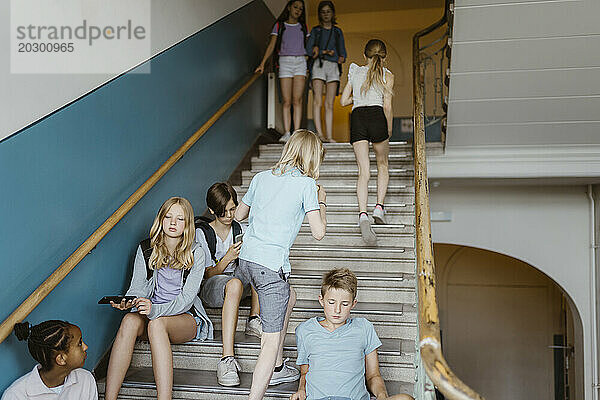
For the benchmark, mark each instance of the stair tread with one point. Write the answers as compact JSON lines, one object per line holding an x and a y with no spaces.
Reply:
{"x":389,"y":346}
{"x":361,"y":276}
{"x":206,"y":381}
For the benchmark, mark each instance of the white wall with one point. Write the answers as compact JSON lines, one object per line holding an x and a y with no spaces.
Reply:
{"x":547,"y":227}
{"x":26,"y":98}
{"x":525,"y":72}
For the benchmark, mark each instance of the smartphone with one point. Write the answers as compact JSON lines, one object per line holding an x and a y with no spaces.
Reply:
{"x":114,"y":299}
{"x":238,"y":238}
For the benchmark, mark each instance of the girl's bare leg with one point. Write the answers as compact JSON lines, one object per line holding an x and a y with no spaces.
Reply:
{"x":382,"y":150}
{"x":297,"y":95}
{"x":132,"y":326}
{"x":317,"y":85}
{"x":162,"y":332}
{"x":329,"y":99}
{"x":361,"y":152}
{"x":286,"y":94}
{"x":229,"y":314}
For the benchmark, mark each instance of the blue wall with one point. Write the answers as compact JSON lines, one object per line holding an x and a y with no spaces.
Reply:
{"x":62,"y":177}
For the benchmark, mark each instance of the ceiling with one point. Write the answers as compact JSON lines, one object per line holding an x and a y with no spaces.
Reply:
{"x":358,"y":6}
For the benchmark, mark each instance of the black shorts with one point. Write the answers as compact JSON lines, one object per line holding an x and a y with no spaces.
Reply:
{"x":368,"y":123}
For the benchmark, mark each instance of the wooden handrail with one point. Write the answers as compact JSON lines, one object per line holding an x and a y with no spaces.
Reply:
{"x":429,"y":326}
{"x":23,"y":310}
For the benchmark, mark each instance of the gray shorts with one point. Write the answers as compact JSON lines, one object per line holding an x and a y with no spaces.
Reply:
{"x":329,"y":72}
{"x":212,"y":292}
{"x":273,"y":293}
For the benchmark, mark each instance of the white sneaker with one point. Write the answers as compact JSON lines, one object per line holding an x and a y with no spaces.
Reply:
{"x":227,"y":372}
{"x":287,"y":374}
{"x":285,"y":137}
{"x":379,"y":216}
{"x":365,"y":230}
{"x":254,"y":327}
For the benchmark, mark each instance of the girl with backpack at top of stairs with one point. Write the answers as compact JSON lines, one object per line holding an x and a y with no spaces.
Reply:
{"x":327,"y":50}
{"x":369,"y":90}
{"x":220,"y":288}
{"x":287,"y":42}
{"x":167,"y":307}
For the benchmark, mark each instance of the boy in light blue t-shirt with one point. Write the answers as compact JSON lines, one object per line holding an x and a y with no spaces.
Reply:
{"x":276,"y":203}
{"x":337,"y":355}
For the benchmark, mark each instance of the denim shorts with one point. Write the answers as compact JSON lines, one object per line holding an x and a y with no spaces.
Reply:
{"x":273,"y":293}
{"x":212,"y":292}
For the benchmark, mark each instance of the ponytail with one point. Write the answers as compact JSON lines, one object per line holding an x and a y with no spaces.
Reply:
{"x":44,"y":340}
{"x":375,"y":51}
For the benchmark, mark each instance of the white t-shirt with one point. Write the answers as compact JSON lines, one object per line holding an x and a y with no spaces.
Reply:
{"x":79,"y":385}
{"x":221,"y":250}
{"x":373,"y":96}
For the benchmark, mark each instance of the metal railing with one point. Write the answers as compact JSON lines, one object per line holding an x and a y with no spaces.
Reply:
{"x":431,"y":360}
{"x":29,"y":304}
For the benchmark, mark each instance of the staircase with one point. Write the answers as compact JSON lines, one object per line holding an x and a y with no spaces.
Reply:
{"x":386,"y":284}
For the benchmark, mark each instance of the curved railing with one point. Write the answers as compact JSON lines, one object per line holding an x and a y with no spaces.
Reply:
{"x":430,"y":348}
{"x":23,"y":310}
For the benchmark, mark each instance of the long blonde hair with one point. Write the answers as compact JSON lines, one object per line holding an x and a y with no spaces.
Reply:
{"x":304,"y":151}
{"x":183,"y":257}
{"x":376,"y":51}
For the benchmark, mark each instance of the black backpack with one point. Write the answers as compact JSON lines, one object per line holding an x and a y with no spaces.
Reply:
{"x":147,"y":252}
{"x":210,"y":235}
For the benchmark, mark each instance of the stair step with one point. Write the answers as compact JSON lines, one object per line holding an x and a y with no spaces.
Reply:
{"x":332,"y":148}
{"x":396,"y":356}
{"x":381,"y":253}
{"x":383,"y":288}
{"x":390,"y":320}
{"x":358,"y":265}
{"x":340,"y":172}
{"x":393,"y":188}
{"x":346,"y":180}
{"x":202,"y":385}
{"x":331,"y":162}
{"x":352,"y":227}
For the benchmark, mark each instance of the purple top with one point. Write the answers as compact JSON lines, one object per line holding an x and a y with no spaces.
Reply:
{"x":292,"y":42}
{"x":168,"y":285}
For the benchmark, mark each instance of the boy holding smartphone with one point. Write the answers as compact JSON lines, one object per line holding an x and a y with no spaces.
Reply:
{"x":220,"y":288}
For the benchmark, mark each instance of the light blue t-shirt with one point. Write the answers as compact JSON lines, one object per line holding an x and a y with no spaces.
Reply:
{"x":336,"y":359}
{"x":278,"y":204}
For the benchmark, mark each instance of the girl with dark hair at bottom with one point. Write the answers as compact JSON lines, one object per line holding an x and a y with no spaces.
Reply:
{"x":369,"y":90}
{"x":60,"y":351}
{"x":287,"y":42}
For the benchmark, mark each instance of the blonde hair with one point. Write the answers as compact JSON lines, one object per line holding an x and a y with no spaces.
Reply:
{"x":304,"y":151}
{"x":183,"y":257}
{"x":376,"y":51}
{"x":340,"y":278}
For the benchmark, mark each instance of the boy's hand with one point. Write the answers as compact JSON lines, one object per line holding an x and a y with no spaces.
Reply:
{"x":233,"y":252}
{"x":315,"y":53}
{"x":321,"y":195}
{"x":341,"y":60}
{"x":143,"y":305}
{"x":299,"y":395}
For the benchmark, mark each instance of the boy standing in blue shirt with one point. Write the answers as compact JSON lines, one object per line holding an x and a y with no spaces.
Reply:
{"x":337,"y":353}
{"x":276,"y":203}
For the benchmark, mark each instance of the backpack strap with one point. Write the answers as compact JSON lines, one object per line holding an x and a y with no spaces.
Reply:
{"x":237,"y":228}
{"x":147,"y":252}
{"x":202,"y":223}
